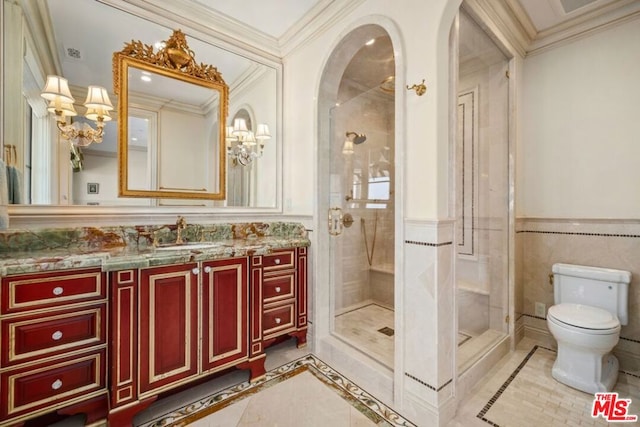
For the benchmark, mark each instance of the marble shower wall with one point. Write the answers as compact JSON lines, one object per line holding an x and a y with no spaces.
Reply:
{"x":370,"y":113}
{"x":614,"y":244}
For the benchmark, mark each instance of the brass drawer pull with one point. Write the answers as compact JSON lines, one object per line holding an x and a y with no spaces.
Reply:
{"x":277,"y":288}
{"x":58,"y":290}
{"x":278,"y":320}
{"x":56,"y":384}
{"x":56,"y":335}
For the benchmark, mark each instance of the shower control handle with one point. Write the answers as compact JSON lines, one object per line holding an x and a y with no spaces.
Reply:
{"x":338,"y":221}
{"x":347,"y":220}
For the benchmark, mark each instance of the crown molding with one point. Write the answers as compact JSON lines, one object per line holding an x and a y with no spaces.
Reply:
{"x":581,"y":26}
{"x":36,"y":15}
{"x":523,"y":18}
{"x":222,"y":30}
{"x":502,"y":22}
{"x":253,"y":74}
{"x":324,"y":14}
{"x":207,"y":24}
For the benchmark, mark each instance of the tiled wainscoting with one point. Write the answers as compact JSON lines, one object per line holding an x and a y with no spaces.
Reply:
{"x":540,"y":243}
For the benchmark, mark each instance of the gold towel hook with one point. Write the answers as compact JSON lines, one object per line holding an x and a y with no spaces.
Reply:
{"x":419,"y":88}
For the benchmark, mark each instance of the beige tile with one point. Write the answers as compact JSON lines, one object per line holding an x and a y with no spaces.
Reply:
{"x":360,"y":328}
{"x":533,"y":397}
{"x":299,"y":401}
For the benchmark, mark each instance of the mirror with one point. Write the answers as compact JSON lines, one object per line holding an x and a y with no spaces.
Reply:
{"x":183,"y":102}
{"x":75,"y":39}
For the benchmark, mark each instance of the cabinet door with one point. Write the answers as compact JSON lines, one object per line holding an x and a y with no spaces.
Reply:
{"x":224,"y":313}
{"x":168,"y":326}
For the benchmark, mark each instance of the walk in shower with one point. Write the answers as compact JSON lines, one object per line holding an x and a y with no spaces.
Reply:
{"x":362,"y":185}
{"x":482,"y":193}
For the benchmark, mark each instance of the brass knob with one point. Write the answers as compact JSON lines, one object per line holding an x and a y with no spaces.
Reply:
{"x":347,"y":220}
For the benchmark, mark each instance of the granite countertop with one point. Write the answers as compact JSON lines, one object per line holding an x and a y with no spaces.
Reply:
{"x":120,"y":248}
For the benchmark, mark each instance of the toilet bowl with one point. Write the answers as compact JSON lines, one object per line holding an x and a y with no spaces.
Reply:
{"x":591,"y":304}
{"x":585,"y":335}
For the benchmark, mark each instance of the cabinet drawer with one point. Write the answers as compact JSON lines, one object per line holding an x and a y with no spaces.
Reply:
{"x":34,"y":291}
{"x":28,"y":337}
{"x":280,"y":287}
{"x":28,"y":390}
{"x":278,"y":319}
{"x":281,"y":260}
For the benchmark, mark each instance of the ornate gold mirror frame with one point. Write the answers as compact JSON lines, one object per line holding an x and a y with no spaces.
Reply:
{"x":174,"y":61}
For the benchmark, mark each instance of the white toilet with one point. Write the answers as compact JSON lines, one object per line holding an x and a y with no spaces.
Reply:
{"x":590,"y":305}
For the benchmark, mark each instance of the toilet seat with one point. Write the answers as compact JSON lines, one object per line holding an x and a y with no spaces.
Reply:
{"x":584,"y":318}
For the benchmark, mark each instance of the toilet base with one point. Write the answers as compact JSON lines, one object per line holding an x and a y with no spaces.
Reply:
{"x":592,"y":374}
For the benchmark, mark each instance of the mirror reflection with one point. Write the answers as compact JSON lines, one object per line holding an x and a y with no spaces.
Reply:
{"x":58,"y":37}
{"x":186,"y":102}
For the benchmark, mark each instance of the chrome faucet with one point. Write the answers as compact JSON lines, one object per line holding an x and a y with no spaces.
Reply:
{"x":181,"y":224}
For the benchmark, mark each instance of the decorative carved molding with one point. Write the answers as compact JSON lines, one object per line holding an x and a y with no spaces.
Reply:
{"x":175,"y":55}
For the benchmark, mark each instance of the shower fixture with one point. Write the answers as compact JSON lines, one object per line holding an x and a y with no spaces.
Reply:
{"x":356,"y":138}
{"x":352,"y":138}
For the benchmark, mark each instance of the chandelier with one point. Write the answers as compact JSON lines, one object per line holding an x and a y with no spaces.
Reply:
{"x":243,"y":146}
{"x":98,"y":105}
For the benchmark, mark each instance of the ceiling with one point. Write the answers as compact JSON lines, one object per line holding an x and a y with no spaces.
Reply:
{"x":541,"y":18}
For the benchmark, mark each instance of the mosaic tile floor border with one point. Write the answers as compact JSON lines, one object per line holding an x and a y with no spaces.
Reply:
{"x":364,"y":402}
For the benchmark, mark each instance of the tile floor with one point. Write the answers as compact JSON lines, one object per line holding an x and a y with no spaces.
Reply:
{"x":519,"y":391}
{"x":361,"y":328}
{"x":304,"y":392}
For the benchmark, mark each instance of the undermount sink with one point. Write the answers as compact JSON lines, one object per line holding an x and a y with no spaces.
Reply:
{"x":190,"y":246}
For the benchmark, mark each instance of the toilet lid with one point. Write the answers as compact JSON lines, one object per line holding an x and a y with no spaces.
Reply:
{"x":584,"y":316}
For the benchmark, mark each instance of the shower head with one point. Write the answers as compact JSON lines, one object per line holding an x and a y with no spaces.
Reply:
{"x":356,"y":138}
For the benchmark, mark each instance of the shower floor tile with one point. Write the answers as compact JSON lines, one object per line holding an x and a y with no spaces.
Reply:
{"x":361,"y":328}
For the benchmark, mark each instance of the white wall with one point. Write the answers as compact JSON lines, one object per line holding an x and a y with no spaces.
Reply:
{"x":424,"y":127}
{"x":580,"y":137}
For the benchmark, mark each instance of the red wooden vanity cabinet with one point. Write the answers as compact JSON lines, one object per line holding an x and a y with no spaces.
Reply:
{"x":74,"y":343}
{"x":175,"y":324}
{"x":282,"y":279}
{"x":53,"y":328}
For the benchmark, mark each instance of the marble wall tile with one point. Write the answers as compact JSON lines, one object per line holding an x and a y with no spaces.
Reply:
{"x":428,"y":334}
{"x":600,"y":243}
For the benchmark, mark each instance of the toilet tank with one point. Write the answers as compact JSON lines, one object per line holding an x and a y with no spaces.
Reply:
{"x":598,"y":287}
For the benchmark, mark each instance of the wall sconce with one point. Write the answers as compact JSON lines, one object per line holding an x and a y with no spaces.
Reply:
{"x":56,"y":91}
{"x":243,"y":146}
